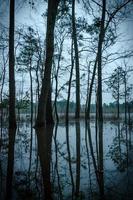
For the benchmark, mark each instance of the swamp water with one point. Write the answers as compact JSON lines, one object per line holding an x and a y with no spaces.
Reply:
{"x":70,"y":162}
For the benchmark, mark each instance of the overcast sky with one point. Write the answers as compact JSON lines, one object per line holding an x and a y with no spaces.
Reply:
{"x":25,"y":15}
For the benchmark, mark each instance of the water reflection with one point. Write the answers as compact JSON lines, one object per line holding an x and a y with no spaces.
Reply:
{"x":69,"y":160}
{"x":100,"y":160}
{"x":120,"y":148}
{"x":77,"y":190}
{"x":59,"y":189}
{"x":76,"y":161}
{"x":97,"y":163}
{"x":44,"y":138}
{"x":10,"y":164}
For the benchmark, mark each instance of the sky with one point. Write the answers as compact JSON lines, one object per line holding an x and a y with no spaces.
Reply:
{"x":25,"y":15}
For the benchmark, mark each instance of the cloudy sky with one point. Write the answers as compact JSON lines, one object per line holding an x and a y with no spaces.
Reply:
{"x":25,"y":15}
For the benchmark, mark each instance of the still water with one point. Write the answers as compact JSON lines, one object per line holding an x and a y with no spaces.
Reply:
{"x":67,"y":162}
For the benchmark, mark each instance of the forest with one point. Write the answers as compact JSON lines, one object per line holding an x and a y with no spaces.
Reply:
{"x":66,"y":99}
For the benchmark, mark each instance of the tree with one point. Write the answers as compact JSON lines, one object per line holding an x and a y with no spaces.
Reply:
{"x":26,"y":60}
{"x":60,"y":35}
{"x":99,"y":63}
{"x":46,"y":82}
{"x":69,"y":84}
{"x":74,"y":36}
{"x":115,"y":83}
{"x":106,"y":36}
{"x":12,"y":114}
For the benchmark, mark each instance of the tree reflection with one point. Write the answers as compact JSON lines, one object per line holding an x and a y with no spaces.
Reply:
{"x":69,"y":159}
{"x":10,"y":163}
{"x":56,"y":163}
{"x":44,"y":137}
{"x":77,"y":158}
{"x":97,"y":163}
{"x":119,"y":149}
{"x":100,"y":159}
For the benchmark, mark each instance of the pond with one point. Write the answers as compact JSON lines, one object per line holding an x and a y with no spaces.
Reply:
{"x":61,"y":162}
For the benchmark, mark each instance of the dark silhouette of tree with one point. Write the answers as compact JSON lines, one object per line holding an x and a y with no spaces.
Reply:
{"x":46,"y":82}
{"x":99,"y":63}
{"x":12,"y":114}
{"x":115,"y":82}
{"x":44,"y":139}
{"x":10,"y":163}
{"x":69,"y":85}
{"x":106,"y":37}
{"x":74,"y":36}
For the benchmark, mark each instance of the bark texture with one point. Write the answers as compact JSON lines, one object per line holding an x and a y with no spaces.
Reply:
{"x":46,"y":82}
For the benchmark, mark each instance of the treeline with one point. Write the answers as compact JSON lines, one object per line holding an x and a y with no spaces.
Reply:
{"x":24,"y":106}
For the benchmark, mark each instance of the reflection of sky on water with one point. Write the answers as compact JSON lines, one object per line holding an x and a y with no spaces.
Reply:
{"x":114,"y":176}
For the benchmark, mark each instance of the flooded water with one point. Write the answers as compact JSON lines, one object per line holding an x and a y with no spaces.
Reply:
{"x":67,"y":162}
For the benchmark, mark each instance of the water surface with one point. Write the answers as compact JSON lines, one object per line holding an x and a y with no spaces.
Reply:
{"x":67,"y":162}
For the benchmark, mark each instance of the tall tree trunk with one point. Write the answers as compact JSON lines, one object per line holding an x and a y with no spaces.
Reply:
{"x":100,"y":43}
{"x":31,"y":117}
{"x":125,"y":85}
{"x":56,"y":95}
{"x":12,"y":114}
{"x":88,"y":85}
{"x":56,"y":79}
{"x":118,"y":98}
{"x":46,"y":82}
{"x":69,"y":84}
{"x":90,"y":90}
{"x":74,"y":36}
{"x":49,"y":116}
{"x":31,"y":95}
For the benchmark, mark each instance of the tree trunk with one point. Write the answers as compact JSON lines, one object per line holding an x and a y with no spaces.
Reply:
{"x":56,"y":79}
{"x":129,"y":117}
{"x":87,"y":95}
{"x":31,"y":95}
{"x":118,"y":99}
{"x":69,"y":84}
{"x":74,"y":36}
{"x":56,"y":95}
{"x":12,"y":114}
{"x":100,"y":43}
{"x":49,"y":116}
{"x":125,"y":85}
{"x":90,"y":91}
{"x":46,"y":82}
{"x":31,"y":117}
